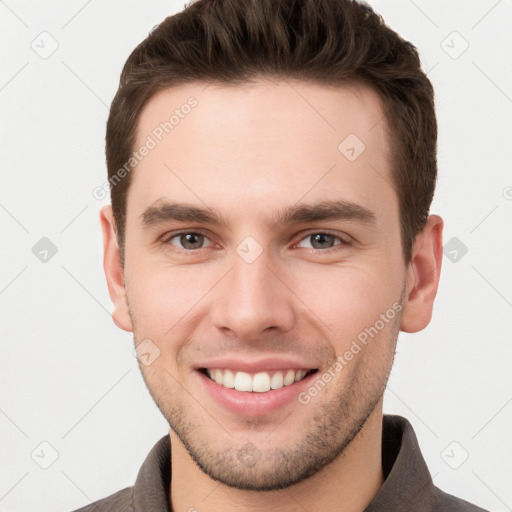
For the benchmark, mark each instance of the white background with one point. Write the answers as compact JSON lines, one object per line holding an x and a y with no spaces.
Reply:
{"x":68,"y":375}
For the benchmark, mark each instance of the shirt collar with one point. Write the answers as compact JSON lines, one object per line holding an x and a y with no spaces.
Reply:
{"x":408,"y":484}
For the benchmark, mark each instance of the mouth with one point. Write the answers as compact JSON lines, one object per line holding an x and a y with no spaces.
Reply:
{"x":260,"y":382}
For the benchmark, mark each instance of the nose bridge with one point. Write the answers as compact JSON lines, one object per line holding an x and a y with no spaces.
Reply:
{"x":252,"y":299}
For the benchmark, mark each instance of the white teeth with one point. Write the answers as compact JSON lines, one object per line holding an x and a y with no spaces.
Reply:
{"x":277,"y":381}
{"x":289,"y":378}
{"x":243,"y":381}
{"x":300,"y":375}
{"x":217,"y":376}
{"x":260,"y":382}
{"x":229,"y":379}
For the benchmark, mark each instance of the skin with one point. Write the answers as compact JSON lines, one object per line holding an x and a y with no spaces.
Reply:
{"x":247,"y":152}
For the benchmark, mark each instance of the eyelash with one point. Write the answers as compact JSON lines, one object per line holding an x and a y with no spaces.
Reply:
{"x":165,"y":239}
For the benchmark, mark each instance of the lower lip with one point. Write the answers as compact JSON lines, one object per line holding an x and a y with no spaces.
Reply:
{"x":252,"y":403}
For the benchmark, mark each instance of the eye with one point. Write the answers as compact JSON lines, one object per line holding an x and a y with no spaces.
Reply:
{"x":187,"y":240}
{"x":321,"y":241}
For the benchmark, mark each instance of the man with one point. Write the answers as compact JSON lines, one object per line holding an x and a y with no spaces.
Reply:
{"x":272,"y":166}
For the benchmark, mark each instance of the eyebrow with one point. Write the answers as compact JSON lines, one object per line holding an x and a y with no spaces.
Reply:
{"x":163,"y":211}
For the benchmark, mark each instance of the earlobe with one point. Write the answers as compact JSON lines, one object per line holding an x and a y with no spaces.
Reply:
{"x":423,"y":275}
{"x":114,"y":270}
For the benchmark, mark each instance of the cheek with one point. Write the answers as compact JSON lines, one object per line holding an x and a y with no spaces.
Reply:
{"x":162,"y":297}
{"x":348,"y":300}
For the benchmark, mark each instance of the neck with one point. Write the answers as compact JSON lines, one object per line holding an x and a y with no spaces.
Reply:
{"x":348,"y":484}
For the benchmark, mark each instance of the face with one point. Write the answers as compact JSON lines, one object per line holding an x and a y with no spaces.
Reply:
{"x":264,"y":278}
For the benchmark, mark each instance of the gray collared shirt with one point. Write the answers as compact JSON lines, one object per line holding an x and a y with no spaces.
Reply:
{"x":408,"y":486}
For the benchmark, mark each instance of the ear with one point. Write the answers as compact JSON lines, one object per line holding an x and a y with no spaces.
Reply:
{"x":423,"y":275}
{"x":114,"y":271}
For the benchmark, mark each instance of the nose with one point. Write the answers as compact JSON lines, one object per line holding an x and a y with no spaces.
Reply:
{"x":253,"y":300}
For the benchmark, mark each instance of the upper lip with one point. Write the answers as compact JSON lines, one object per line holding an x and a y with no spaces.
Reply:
{"x":255,"y":366}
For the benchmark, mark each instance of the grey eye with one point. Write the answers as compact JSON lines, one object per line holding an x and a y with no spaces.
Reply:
{"x":320,"y":241}
{"x":189,"y":241}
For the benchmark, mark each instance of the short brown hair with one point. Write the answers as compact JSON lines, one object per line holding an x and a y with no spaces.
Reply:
{"x":331,"y":42}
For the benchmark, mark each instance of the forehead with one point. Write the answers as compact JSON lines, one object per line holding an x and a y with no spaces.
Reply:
{"x":265,"y":143}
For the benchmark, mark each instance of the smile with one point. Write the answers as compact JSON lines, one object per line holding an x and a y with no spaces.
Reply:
{"x":260,"y":382}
